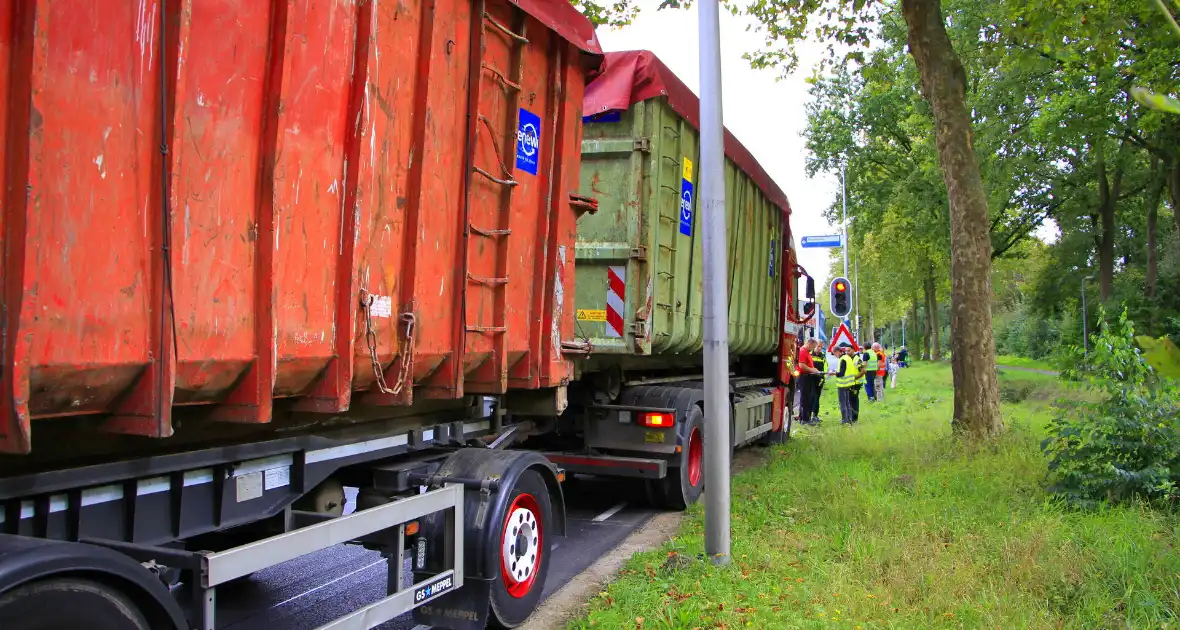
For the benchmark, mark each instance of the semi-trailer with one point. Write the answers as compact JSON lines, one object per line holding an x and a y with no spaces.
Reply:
{"x":255,"y":253}
{"x":637,"y":400}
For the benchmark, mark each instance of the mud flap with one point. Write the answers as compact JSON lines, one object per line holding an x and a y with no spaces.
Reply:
{"x":464,"y":609}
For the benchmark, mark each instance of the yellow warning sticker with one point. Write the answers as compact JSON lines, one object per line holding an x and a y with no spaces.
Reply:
{"x":654,"y":437}
{"x":686,"y":172}
{"x":591,"y":315}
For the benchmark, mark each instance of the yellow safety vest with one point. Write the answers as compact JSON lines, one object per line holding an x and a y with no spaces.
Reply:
{"x":860,"y":363}
{"x":849,"y":378}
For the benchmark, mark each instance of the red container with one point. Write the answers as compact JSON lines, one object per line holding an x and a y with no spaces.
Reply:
{"x":221,"y":202}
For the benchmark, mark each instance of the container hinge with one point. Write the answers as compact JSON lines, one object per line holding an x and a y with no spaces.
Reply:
{"x":583,"y":204}
{"x":577,"y":346}
{"x":643,"y":144}
{"x":639,"y":328}
{"x":639,"y":253}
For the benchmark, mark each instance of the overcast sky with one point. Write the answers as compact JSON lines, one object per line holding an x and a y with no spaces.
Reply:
{"x":768,"y":116}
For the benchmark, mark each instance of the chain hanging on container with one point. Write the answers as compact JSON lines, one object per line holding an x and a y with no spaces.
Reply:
{"x":407,"y":355}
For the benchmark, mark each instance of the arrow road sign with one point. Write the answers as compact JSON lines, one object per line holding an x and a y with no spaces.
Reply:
{"x":829,"y":240}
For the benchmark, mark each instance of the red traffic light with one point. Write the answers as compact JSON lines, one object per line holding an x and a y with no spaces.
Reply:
{"x":840,"y":286}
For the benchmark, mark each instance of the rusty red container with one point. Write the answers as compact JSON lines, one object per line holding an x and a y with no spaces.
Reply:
{"x":226,"y":202}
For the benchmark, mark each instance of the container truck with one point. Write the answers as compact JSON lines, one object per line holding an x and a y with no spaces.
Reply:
{"x":636,"y":401}
{"x":254,"y":252}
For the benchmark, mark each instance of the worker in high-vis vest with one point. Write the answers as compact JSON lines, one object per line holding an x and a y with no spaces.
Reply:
{"x":848,"y":376}
{"x":871,"y":362}
{"x":821,"y":366}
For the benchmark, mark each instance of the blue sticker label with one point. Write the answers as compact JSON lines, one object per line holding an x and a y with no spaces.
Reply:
{"x":605,"y":117}
{"x":528,"y":142}
{"x":770,"y":271}
{"x":686,"y":197}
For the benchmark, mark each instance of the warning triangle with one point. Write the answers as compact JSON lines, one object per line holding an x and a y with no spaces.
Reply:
{"x":843,"y":335}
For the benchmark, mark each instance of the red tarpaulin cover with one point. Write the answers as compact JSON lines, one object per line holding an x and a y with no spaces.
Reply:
{"x":632,"y":76}
{"x":565,"y":20}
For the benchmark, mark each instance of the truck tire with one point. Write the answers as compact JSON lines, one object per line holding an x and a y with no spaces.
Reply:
{"x":61,"y":603}
{"x":684,"y":483}
{"x":524,"y":552}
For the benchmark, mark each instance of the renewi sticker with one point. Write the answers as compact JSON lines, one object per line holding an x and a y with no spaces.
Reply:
{"x":528,"y":142}
{"x":591,"y":315}
{"x":686,"y":198}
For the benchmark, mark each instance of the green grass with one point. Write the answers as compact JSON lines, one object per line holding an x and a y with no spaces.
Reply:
{"x":895,"y":524}
{"x":1022,"y":362}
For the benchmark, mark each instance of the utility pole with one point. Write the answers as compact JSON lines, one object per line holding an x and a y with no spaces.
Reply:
{"x":903,"y":330}
{"x":844,"y":223}
{"x":716,"y":299}
{"x":856,"y":296}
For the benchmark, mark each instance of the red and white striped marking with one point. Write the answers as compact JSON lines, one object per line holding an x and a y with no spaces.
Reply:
{"x":615,"y":292}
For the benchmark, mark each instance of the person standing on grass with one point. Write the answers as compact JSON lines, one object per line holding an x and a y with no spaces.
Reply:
{"x":870,"y":365}
{"x":819,"y":357}
{"x":894,"y":368}
{"x":878,"y":375}
{"x":848,"y":374}
{"x":805,"y":381}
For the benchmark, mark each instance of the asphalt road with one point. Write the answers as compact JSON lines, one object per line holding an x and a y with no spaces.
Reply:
{"x":312,"y":590}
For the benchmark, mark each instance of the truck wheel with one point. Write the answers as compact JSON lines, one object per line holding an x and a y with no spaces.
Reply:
{"x":524,"y":553}
{"x":684,"y":484}
{"x":57,"y":604}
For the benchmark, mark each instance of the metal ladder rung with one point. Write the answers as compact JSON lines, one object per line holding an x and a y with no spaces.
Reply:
{"x":483,"y":232}
{"x":500,"y":75}
{"x":488,"y":281}
{"x":504,"y":29}
{"x":502,"y":182}
{"x":488,"y":329}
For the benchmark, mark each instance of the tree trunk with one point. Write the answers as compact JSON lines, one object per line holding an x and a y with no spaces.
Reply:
{"x":1108,"y":196}
{"x":913,"y":323}
{"x":944,"y":85}
{"x":927,"y":287}
{"x":933,"y":328}
{"x":1174,"y":188}
{"x":1154,"y":195}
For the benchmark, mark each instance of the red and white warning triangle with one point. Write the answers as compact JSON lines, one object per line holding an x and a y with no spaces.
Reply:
{"x":843,"y":335}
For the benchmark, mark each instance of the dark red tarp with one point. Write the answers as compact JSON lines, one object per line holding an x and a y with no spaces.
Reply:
{"x":565,"y":20}
{"x":632,"y":76}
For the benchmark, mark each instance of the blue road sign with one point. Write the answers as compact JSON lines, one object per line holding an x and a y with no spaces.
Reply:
{"x":829,"y":240}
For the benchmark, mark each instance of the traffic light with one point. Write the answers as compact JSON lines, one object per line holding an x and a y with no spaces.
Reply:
{"x":841,"y":303}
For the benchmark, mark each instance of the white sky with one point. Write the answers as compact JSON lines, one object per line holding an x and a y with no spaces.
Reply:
{"x":768,"y":116}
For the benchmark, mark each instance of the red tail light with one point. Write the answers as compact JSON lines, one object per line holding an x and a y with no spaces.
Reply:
{"x":657,"y":420}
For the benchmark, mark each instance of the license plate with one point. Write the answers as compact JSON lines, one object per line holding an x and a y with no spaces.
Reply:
{"x":655,"y":437}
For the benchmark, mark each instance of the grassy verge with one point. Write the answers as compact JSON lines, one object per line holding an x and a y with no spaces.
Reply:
{"x":893,"y":524}
{"x":1022,"y":362}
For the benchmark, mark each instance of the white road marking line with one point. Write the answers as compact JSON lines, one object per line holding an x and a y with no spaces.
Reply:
{"x":609,"y":513}
{"x":326,"y":584}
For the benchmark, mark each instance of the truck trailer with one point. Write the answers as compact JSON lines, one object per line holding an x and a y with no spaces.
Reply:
{"x":637,"y":400}
{"x":255,"y":252}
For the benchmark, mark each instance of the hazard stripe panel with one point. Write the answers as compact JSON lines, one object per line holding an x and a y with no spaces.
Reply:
{"x":615,"y":292}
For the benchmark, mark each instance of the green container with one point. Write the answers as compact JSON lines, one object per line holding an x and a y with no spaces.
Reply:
{"x":639,"y":258}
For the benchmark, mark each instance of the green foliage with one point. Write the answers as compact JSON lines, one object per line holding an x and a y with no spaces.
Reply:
{"x":893,"y":524}
{"x":1162,"y":354}
{"x":1126,"y":444}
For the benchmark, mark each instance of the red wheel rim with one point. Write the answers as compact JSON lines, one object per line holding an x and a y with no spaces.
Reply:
{"x":521,"y":546}
{"x":696,"y":455}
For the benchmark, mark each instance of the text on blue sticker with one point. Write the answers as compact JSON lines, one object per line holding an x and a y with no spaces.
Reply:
{"x":528,"y":142}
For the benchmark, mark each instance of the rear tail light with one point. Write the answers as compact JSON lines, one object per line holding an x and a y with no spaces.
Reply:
{"x":657,"y":420}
